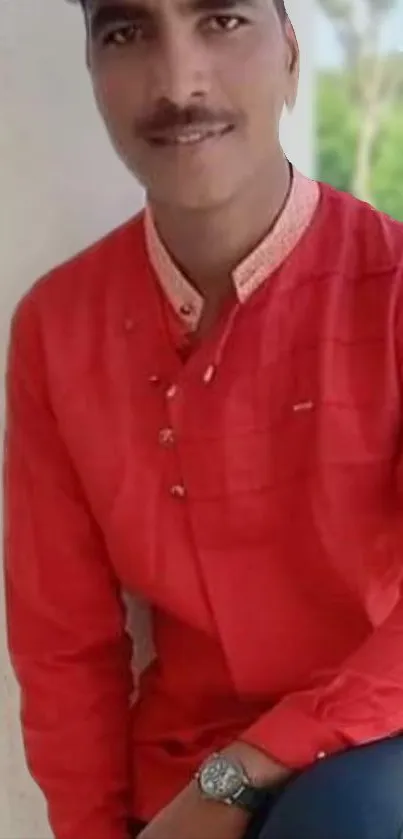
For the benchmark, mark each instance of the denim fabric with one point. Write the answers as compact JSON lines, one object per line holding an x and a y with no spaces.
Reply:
{"x":355,"y":795}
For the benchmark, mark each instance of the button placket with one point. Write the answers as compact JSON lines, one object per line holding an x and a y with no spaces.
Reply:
{"x":168,"y":440}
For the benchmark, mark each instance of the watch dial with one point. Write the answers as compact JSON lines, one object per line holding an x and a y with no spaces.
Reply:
{"x":221,"y":779}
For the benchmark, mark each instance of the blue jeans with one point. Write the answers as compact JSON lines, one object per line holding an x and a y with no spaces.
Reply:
{"x":354,"y":795}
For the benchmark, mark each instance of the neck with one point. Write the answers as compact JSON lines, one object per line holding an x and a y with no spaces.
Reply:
{"x":208,"y":246}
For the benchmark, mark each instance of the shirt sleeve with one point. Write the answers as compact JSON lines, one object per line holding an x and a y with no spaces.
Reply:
{"x":357,"y":704}
{"x":361,"y":701}
{"x":66,"y":621}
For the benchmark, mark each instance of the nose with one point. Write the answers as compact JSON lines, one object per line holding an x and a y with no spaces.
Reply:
{"x":180,"y":70}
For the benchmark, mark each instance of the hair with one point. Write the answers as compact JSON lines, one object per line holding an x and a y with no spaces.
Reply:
{"x":280,"y":6}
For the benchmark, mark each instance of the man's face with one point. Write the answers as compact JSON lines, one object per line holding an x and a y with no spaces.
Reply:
{"x":192,"y":91}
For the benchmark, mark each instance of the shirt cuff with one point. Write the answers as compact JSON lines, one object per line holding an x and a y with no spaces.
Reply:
{"x":292,"y":738}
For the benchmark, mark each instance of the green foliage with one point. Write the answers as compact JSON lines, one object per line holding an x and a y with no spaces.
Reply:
{"x":336,"y":127}
{"x":337,"y":122}
{"x":387,"y":171}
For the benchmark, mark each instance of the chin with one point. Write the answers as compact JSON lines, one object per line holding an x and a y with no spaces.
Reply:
{"x":190,"y":180}
{"x":193,"y":196}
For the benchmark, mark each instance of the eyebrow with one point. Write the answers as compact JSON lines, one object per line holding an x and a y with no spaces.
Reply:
{"x":102,"y":14}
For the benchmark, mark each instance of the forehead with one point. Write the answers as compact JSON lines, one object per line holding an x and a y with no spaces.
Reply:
{"x":126,"y":8}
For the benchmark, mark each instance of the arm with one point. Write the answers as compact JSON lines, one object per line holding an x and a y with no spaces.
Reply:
{"x":362,"y":702}
{"x":66,"y":623}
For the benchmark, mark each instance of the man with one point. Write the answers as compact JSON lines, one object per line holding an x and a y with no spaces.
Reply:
{"x":204,"y":409}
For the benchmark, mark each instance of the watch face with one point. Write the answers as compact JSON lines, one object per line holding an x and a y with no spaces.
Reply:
{"x":221,"y":778}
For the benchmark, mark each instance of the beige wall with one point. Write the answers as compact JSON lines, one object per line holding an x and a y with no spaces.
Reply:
{"x":61,"y":187}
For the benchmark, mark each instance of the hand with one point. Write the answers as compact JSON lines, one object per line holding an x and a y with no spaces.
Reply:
{"x":189,"y":816}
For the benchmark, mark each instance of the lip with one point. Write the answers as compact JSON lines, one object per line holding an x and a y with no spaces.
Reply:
{"x":188,"y":136}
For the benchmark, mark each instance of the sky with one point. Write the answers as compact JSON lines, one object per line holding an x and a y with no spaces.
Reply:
{"x":327,"y":52}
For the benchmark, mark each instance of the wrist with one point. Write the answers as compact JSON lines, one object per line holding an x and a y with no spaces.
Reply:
{"x":233,"y":816}
{"x":261,"y":769}
{"x":240,"y":777}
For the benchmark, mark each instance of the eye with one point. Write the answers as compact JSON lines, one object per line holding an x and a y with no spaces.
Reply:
{"x":122,"y":35}
{"x":224,"y":23}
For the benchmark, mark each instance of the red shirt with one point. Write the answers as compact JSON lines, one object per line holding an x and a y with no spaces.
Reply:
{"x":252,"y":496}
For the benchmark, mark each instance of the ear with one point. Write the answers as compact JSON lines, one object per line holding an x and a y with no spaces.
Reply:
{"x":293,"y":64}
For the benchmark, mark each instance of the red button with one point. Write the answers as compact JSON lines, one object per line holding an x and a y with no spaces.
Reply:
{"x":178,"y":491}
{"x":166,"y":437}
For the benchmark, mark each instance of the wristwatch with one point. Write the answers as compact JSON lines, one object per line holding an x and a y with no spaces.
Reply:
{"x":223,"y":779}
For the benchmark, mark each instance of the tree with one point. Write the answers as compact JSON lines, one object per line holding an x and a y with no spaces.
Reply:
{"x":358,"y":26}
{"x":336,"y":129}
{"x":387,"y":176}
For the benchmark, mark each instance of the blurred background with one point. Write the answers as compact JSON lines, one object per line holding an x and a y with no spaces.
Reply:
{"x":359,"y":99}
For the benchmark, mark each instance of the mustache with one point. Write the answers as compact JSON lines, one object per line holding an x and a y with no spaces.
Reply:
{"x":168,"y":117}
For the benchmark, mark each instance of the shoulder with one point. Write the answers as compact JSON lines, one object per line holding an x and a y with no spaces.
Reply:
{"x":361,"y":235}
{"x":84,"y":282}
